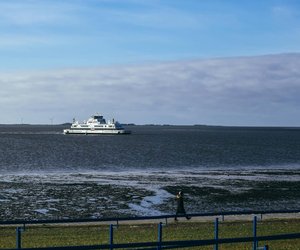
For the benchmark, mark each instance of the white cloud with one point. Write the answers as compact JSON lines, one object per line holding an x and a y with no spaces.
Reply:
{"x":262,"y":90}
{"x":28,"y":13}
{"x":13,"y":41}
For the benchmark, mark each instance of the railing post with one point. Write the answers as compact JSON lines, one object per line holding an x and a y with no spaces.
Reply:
{"x":216,"y":233}
{"x":159,"y":236}
{"x":254,"y":233}
{"x":111,"y":236}
{"x":18,"y":237}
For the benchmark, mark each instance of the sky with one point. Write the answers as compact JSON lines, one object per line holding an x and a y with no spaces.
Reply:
{"x":212,"y":62}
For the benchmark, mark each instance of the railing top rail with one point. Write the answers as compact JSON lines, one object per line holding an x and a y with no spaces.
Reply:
{"x":137,"y":218}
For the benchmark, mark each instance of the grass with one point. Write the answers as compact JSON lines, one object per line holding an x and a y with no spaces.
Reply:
{"x":72,"y":235}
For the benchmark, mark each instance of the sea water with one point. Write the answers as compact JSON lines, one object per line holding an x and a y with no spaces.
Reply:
{"x":45,"y":174}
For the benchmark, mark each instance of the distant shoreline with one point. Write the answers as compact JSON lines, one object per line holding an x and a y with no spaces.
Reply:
{"x":159,"y":125}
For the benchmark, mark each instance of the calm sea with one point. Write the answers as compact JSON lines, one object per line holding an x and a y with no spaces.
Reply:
{"x":45,"y":174}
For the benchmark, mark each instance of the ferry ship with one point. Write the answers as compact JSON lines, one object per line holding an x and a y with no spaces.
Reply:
{"x":96,"y":124}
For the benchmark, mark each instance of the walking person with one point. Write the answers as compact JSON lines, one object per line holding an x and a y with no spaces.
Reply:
{"x":180,"y":206}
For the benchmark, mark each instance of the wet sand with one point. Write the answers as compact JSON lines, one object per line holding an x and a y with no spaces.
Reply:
{"x":125,"y":194}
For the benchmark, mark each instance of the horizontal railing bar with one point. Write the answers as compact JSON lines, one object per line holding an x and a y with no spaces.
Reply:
{"x":176,"y":244}
{"x":50,"y":221}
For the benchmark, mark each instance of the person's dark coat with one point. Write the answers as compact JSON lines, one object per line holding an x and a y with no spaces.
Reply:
{"x":180,"y":205}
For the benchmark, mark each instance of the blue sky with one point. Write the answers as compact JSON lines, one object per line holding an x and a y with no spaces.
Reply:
{"x":43,"y":43}
{"x":52,"y":34}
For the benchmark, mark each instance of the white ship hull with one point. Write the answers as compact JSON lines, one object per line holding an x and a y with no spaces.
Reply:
{"x":96,"y":132}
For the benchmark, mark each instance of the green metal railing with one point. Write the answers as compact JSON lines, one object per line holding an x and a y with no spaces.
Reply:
{"x":160,"y":244}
